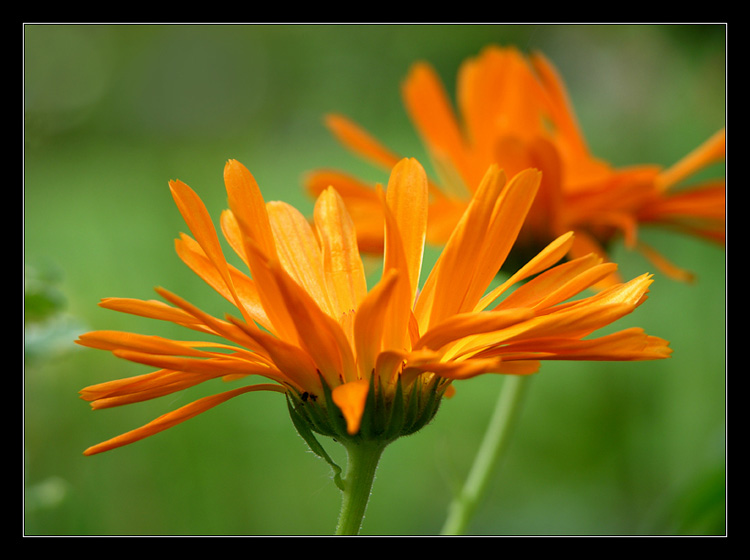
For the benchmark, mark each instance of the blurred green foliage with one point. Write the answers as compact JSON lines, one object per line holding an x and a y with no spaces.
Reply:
{"x":112,"y":112}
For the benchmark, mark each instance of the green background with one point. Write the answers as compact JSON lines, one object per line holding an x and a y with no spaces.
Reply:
{"x":113,"y":112}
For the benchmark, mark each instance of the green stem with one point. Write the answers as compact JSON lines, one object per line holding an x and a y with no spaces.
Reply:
{"x":363,"y":462}
{"x":490,"y":452}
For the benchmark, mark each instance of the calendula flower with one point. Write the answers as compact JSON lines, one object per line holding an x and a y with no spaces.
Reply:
{"x":365,"y":366}
{"x":514,"y":111}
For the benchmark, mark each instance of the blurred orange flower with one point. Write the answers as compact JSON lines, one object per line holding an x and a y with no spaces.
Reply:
{"x":308,"y":323}
{"x":514,"y":112}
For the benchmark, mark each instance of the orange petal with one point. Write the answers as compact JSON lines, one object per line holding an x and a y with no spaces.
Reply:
{"x":176,"y":417}
{"x":291,"y":360}
{"x":139,"y":389}
{"x":116,"y":340}
{"x":508,"y":216}
{"x":543,"y":260}
{"x":407,"y":200}
{"x":152,"y":309}
{"x":248,"y":206}
{"x":430,"y":110}
{"x":299,"y":252}
{"x":562,"y":115}
{"x":454,"y":369}
{"x":711,"y":151}
{"x":350,"y":398}
{"x":198,"y":220}
{"x":360,"y":142}
{"x":345,"y":275}
{"x":396,"y":326}
{"x":244,"y":287}
{"x":467,"y":324}
{"x":212,"y":324}
{"x":559,"y":283}
{"x":443,"y":292}
{"x":319,"y":334}
{"x":665,"y":266}
{"x":627,"y":345}
{"x":369,"y":323}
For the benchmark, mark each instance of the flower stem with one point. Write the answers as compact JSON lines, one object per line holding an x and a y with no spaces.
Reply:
{"x":490,"y":452}
{"x":363,"y":462}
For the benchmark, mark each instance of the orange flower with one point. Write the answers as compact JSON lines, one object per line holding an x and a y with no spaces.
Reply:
{"x":515,"y":112}
{"x":357,"y":363}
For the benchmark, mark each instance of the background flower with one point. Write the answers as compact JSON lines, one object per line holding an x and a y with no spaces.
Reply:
{"x":112,"y":110}
{"x":513,"y":109}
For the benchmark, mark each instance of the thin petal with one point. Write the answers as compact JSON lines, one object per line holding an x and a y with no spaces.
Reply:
{"x":198,"y":220}
{"x":467,"y":324}
{"x":543,"y":260}
{"x":665,"y":266}
{"x":117,"y":340}
{"x":152,"y":309}
{"x":173,"y":418}
{"x":627,"y":345}
{"x":559,"y":283}
{"x":711,"y":151}
{"x":360,"y":142}
{"x":244,"y":288}
{"x":464,"y":369}
{"x":291,"y":360}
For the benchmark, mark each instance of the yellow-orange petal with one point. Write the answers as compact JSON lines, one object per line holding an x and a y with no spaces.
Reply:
{"x":216,"y":326}
{"x":362,"y":204}
{"x":559,"y":283}
{"x":406,"y":197}
{"x":444,"y":289}
{"x":631,"y":344}
{"x":454,"y":369}
{"x":467,"y":324}
{"x":350,"y":398}
{"x":122,"y":386}
{"x":508,"y":215}
{"x":543,"y":260}
{"x":318,"y":334}
{"x":299,"y":252}
{"x":344,"y":271}
{"x":248,"y":206}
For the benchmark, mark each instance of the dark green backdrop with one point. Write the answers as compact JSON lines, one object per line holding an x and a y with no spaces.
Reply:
{"x":113,"y":112}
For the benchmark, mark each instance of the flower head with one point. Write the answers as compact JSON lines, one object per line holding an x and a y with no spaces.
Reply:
{"x":355,"y":362}
{"x":514,"y":111}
